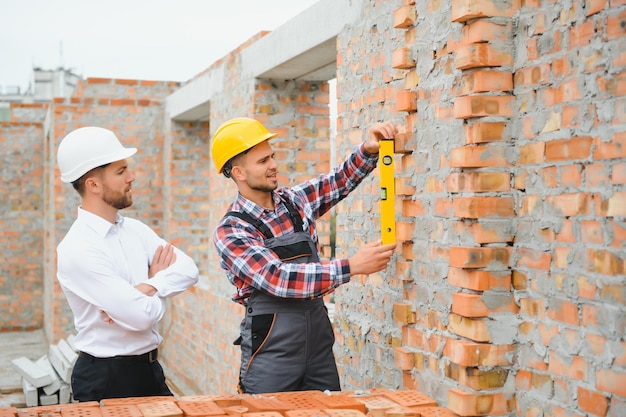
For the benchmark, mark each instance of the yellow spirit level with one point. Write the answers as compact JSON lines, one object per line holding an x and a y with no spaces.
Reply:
{"x":387,"y":192}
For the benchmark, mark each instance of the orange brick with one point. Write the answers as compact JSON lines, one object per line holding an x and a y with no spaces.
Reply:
{"x":592,"y":402}
{"x":466,"y":353}
{"x":482,"y":132}
{"x":401,"y":59}
{"x":479,"y":280}
{"x":486,"y":231}
{"x":474,"y":329}
{"x":160,"y":409}
{"x":478,"y":257}
{"x":534,"y":259}
{"x":464,"y":10}
{"x":611,"y":380}
{"x":403,"y":313}
{"x":477,"y":404}
{"x":483,"y":105}
{"x":568,"y":149}
{"x":402,"y":143}
{"x":403,"y":358}
{"x":483,"y":81}
{"x":411,"y":79}
{"x":200,"y":408}
{"x":410,"y":398}
{"x":404,"y":231}
{"x":459,"y":182}
{"x":412,"y":208}
{"x":614,"y":149}
{"x":476,"y":378}
{"x":567,"y":205}
{"x":404,"y":16}
{"x":481,"y":55}
{"x":481,"y":156}
{"x":480,"y":207}
{"x":475,"y":305}
{"x":406,"y":101}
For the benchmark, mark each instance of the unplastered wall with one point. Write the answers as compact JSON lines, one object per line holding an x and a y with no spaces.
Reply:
{"x":508,"y":284}
{"x":21,"y":219}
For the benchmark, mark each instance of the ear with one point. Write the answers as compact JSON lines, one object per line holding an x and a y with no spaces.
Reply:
{"x":238,"y":173}
{"x":92,"y":185}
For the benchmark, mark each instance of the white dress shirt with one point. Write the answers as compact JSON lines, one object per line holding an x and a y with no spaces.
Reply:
{"x":98,"y":266}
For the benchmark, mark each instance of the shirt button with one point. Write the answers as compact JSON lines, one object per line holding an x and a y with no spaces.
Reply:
{"x":249,"y":309}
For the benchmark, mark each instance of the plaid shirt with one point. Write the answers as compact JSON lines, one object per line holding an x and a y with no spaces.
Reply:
{"x":250,"y":265}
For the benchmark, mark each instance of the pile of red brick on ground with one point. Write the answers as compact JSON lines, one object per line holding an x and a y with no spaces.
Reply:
{"x":371,"y":403}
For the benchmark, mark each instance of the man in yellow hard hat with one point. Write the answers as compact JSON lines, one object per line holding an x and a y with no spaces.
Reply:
{"x":267,"y":243}
{"x":116,"y":273}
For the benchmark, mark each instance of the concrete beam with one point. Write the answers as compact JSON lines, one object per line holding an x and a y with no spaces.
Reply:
{"x":192,"y":102}
{"x":303,"y":48}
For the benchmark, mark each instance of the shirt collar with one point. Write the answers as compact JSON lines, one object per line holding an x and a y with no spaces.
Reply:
{"x":97,"y":223}
{"x":248,"y":206}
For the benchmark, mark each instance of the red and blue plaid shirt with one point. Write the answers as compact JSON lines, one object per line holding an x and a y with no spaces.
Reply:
{"x":250,"y":265}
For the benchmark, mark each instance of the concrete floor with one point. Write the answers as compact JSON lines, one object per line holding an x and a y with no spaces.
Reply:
{"x":32,"y":345}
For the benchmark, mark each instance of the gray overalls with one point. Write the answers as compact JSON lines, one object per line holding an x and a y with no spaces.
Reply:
{"x":286,"y":343}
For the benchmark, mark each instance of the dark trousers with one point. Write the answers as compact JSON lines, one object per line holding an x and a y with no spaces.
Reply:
{"x":96,"y":378}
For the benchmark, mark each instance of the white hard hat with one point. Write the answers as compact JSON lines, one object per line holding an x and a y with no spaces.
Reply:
{"x":87,"y":148}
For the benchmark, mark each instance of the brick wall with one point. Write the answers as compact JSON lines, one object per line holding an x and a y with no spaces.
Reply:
{"x":506,"y":295}
{"x":21,"y":217}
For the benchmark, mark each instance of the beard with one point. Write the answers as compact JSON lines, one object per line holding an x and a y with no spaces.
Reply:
{"x":116,"y":199}
{"x":262,"y":186}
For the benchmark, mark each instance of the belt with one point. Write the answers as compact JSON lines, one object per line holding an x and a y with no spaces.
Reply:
{"x":146,"y":357}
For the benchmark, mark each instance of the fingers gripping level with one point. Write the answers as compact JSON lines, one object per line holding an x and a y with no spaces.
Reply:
{"x":387,"y":192}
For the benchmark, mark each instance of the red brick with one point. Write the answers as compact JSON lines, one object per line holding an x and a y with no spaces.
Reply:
{"x":479,"y":182}
{"x":533,"y":76}
{"x":614,"y":206}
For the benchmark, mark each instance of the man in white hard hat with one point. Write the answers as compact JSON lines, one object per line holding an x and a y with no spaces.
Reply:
{"x":116,"y":273}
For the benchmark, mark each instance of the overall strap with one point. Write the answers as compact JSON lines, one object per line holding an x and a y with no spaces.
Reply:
{"x":296,"y":219}
{"x":258,"y":224}
{"x":294,"y":214}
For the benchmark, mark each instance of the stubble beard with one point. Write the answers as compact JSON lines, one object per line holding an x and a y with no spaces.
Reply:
{"x":118,"y":200}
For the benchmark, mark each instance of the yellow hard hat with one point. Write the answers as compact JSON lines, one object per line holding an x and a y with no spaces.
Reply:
{"x":236,"y":136}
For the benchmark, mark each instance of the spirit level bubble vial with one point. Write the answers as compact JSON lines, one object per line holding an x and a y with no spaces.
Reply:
{"x":387,"y":191}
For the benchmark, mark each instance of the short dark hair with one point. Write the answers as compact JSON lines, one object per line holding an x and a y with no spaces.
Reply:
{"x":79,"y":184}
{"x":228,"y":166}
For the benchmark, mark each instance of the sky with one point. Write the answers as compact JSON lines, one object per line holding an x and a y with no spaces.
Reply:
{"x":137,"y":39}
